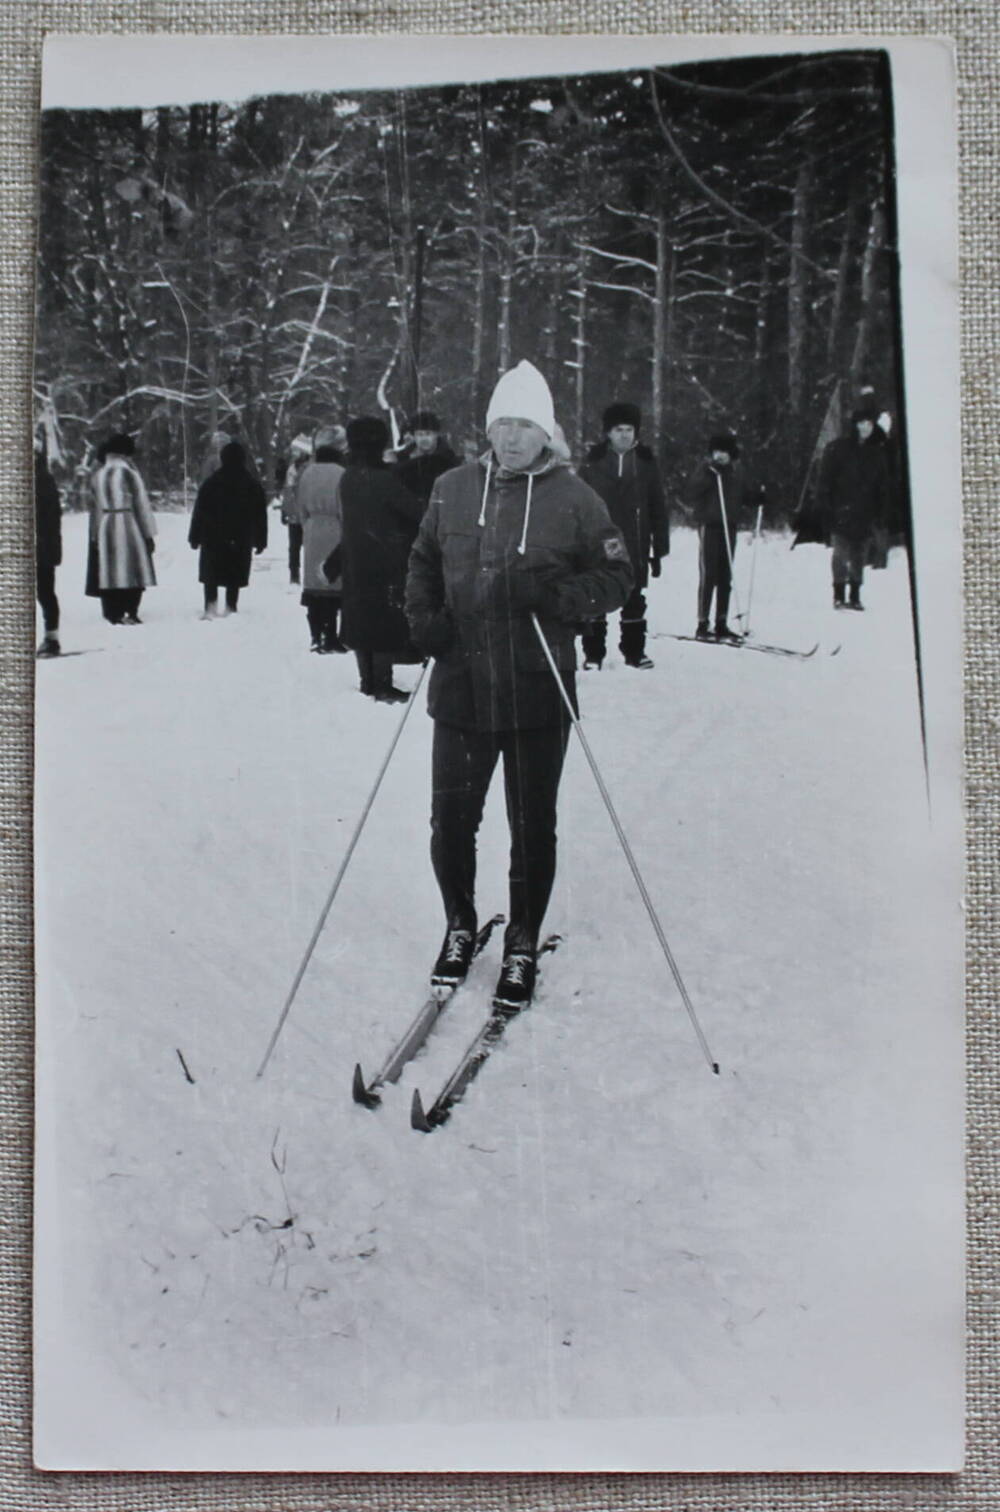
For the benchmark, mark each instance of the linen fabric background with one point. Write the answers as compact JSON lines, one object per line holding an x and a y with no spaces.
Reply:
{"x":975,"y":27}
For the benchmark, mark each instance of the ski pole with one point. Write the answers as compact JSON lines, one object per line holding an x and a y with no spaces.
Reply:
{"x":729,"y":547}
{"x":753,"y":564}
{"x":340,"y":876}
{"x":630,"y":858}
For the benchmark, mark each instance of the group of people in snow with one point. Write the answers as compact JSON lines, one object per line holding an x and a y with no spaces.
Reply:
{"x":491,"y":569}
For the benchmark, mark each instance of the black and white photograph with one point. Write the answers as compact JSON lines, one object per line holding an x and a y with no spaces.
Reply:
{"x":498,"y":815}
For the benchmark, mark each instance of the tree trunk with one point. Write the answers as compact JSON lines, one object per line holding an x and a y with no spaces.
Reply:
{"x":663,"y":299}
{"x":798,"y":303}
{"x":869,"y":295}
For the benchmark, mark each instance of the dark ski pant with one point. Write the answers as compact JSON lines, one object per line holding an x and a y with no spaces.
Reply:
{"x":714,"y":573}
{"x":294,"y":551}
{"x":117,"y":602}
{"x":45,"y":590}
{"x":848,"y":560}
{"x":212,"y":597}
{"x":631,"y":636}
{"x":463,"y":764}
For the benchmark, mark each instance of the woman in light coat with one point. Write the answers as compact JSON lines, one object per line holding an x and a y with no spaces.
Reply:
{"x":317,"y":508}
{"x":122,"y":528}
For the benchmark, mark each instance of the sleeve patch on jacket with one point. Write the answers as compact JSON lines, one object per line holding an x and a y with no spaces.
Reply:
{"x":614,"y":549}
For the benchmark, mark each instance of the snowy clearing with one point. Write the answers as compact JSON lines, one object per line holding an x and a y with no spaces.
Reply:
{"x":609,"y":1256}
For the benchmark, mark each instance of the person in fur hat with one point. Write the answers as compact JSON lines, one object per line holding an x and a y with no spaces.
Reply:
{"x":428,"y":456}
{"x":625,"y":474}
{"x":122,"y":531}
{"x":378,"y":521}
{"x":510,"y":536}
{"x":717,"y":508}
{"x":853,"y":502}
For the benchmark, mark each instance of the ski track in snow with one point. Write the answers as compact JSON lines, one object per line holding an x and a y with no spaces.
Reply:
{"x":603,"y":1228}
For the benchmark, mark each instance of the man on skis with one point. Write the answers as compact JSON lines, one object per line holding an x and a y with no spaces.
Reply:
{"x":717,"y":511}
{"x":512,"y":536}
{"x":625,"y":474}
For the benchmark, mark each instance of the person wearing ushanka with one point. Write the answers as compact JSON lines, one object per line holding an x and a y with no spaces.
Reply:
{"x":122,"y":528}
{"x":228,"y":523}
{"x":624,"y":472}
{"x":378,"y":521}
{"x":428,"y":457}
{"x":510,"y":536}
{"x":853,"y":499}
{"x":717,"y":508}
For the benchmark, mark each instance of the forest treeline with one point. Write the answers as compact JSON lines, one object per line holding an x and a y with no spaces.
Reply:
{"x":713,"y":242}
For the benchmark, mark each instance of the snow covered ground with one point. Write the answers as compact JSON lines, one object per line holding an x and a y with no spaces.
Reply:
{"x":609,"y":1257}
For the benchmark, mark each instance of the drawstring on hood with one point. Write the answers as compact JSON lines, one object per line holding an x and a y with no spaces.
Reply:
{"x":527,"y":517}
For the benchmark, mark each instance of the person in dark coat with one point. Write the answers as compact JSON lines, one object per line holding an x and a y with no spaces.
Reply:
{"x":379,"y":517}
{"x":853,"y":502}
{"x":429,"y":456}
{"x":122,"y":531}
{"x":512,"y":536}
{"x":228,"y":523}
{"x":625,"y":474}
{"x":48,"y":553}
{"x":717,"y":509}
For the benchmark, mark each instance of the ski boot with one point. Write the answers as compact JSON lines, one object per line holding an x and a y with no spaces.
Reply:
{"x":50,"y":646}
{"x":723,"y":633}
{"x":854,"y":597}
{"x":452,"y":965}
{"x":702,"y":631}
{"x":516,"y":982}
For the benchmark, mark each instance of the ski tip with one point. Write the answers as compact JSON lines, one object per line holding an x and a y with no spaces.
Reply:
{"x":361,"y":1092}
{"x":418,"y":1118}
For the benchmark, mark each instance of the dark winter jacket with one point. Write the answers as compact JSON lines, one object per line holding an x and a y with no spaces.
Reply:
{"x":706,"y":499}
{"x":48,"y":522}
{"x":379,"y":519}
{"x":853,"y":494}
{"x":631,"y":487}
{"x":228,"y":522}
{"x":420,"y":471}
{"x":470,"y":592}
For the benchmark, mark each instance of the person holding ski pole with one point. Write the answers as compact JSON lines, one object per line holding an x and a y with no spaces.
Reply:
{"x":508,"y":537}
{"x":624,"y":472}
{"x":717,"y":510}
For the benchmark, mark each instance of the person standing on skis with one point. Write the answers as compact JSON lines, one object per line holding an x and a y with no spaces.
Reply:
{"x":511,"y":536}
{"x":625,"y":474}
{"x":717,"y":506}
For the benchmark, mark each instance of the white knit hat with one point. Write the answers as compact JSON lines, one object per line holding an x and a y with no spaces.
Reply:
{"x":523,"y":394}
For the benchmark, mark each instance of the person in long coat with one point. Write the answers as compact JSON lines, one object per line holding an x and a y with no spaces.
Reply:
{"x":122,"y":531}
{"x":379,"y":521}
{"x":48,"y":553}
{"x":853,"y":502}
{"x":503,"y":540}
{"x":625,"y":474}
{"x":317,"y":508}
{"x":228,"y":523}
{"x":301,"y":450}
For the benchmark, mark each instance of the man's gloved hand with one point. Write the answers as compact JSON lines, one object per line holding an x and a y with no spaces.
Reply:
{"x":654,"y":565}
{"x":534,"y":591}
{"x":435,"y":634}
